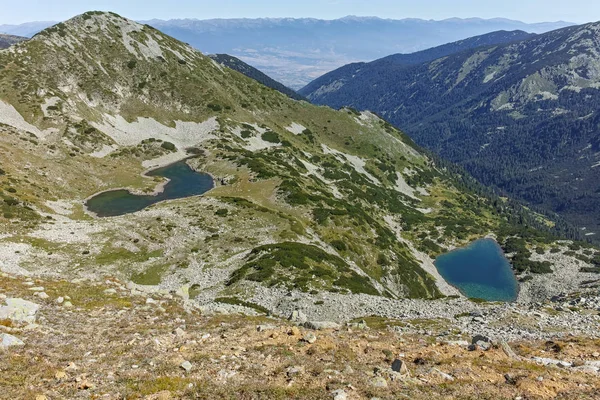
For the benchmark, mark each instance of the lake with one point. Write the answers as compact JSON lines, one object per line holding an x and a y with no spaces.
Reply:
{"x":480,"y":271}
{"x":183,"y":182}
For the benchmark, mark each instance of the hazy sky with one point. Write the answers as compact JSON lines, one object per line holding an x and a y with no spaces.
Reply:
{"x":15,"y":12}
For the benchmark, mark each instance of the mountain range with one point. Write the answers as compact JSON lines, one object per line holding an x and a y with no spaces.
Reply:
{"x":522,"y":117}
{"x":296,"y":51}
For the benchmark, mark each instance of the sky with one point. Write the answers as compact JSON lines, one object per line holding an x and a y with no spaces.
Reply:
{"x":578,"y":11}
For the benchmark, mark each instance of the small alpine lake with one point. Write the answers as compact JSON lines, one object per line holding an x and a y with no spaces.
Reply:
{"x":183,"y":182}
{"x":480,"y":271}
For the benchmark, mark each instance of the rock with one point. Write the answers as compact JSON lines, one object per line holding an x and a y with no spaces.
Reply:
{"x":67,"y":304}
{"x":339,"y":394}
{"x":480,"y":338}
{"x":60,"y":375}
{"x":472,"y":347}
{"x":60,"y":300}
{"x":37,"y":289}
{"x":511,"y":380}
{"x":509,"y":351}
{"x":42,"y":295}
{"x":419,"y":361}
{"x":294,"y":331}
{"x":262,"y":328}
{"x":179,"y":332}
{"x":379,"y":382}
{"x":72,"y":367}
{"x":84,"y":384}
{"x":485,"y":346}
{"x":187,"y":366}
{"x":441,"y":374}
{"x":461,"y":343}
{"x":19,"y":310}
{"x":298,"y":317}
{"x":310,"y":338}
{"x":551,"y":361}
{"x":400,"y":367}
{"x":348,"y":370}
{"x":479,"y":320}
{"x":294,"y":371}
{"x":110,"y":291}
{"x":7,"y":340}
{"x":41,"y":397}
{"x":321,"y":325}
{"x":150,"y":300}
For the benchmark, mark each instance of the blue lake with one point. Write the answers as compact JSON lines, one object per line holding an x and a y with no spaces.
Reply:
{"x":480,"y":271}
{"x":183,"y":182}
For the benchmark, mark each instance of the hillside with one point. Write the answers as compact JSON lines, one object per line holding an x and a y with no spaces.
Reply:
{"x":297,"y":51}
{"x":303,"y":271}
{"x":317,"y":90}
{"x":251,"y":72}
{"x":9,"y":40}
{"x":307,"y":200}
{"x":521,"y":117}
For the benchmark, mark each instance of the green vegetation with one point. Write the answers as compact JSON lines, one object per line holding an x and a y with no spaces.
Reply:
{"x":271,"y":137}
{"x":300,"y":266}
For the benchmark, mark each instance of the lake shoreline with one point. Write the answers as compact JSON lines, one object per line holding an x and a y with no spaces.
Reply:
{"x":159,"y":189}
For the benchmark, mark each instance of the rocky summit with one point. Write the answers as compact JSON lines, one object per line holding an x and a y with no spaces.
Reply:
{"x":304,"y":270}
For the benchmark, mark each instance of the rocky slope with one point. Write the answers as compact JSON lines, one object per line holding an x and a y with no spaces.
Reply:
{"x":78,"y":339}
{"x":251,"y":72}
{"x":9,"y":40}
{"x":521,"y":117}
{"x":309,"y":201}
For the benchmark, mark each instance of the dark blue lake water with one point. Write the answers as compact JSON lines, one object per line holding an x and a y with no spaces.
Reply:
{"x":184,"y":182}
{"x":480,"y":271}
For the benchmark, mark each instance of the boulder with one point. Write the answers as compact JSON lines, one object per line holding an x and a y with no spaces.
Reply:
{"x":321,"y":325}
{"x":19,"y":311}
{"x":379,"y":382}
{"x":7,"y":340}
{"x":298,"y":317}
{"x":309,"y":338}
{"x":400,"y":367}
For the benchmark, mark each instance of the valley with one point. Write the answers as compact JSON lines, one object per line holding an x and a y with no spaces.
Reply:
{"x":519,"y":117}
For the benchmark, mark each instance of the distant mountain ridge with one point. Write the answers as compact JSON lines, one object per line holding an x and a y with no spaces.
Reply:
{"x":522,"y":116}
{"x":9,"y":40}
{"x":320,"y":86}
{"x":295,"y":51}
{"x":238,"y":65}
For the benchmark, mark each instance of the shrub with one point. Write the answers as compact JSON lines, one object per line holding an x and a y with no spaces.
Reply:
{"x":222,"y":212}
{"x":132,"y":64}
{"x":168,"y":146}
{"x":270,"y":137}
{"x":339,"y":245}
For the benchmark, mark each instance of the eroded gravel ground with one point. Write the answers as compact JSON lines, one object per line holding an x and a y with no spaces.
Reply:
{"x":111,"y":344}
